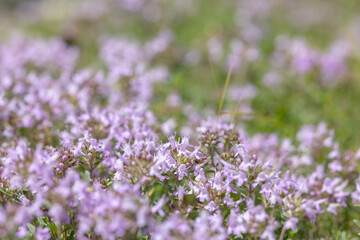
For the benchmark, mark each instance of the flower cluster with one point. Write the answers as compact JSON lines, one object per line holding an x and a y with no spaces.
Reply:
{"x":85,"y":152}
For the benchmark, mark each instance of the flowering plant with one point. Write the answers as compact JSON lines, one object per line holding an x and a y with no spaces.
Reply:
{"x":105,"y":151}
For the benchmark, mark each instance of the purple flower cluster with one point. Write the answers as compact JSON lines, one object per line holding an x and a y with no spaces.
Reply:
{"x":83,"y":154}
{"x":302,"y":60}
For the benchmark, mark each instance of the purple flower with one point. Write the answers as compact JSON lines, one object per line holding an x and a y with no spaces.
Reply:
{"x":269,"y":232}
{"x":59,"y":214}
{"x":22,"y":232}
{"x":181,"y":171}
{"x":291,"y":224}
{"x":203,"y":194}
{"x":180,"y":193}
{"x":157,"y":207}
{"x":211,"y":207}
{"x":42,"y":233}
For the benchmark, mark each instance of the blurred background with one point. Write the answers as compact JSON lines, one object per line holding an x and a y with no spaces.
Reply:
{"x":293,"y":62}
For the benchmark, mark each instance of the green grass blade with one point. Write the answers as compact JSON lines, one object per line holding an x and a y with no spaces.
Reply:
{"x":224,"y":93}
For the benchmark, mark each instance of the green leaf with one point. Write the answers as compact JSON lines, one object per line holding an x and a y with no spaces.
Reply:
{"x":108,"y":184}
{"x":85,"y":175}
{"x":53,"y":228}
{"x":31,"y":228}
{"x":4,"y":192}
{"x":98,"y":163}
{"x":357,"y":222}
{"x":42,"y":222}
{"x":72,"y":236}
{"x":81,"y":168}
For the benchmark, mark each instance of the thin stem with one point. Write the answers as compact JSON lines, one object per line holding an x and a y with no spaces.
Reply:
{"x":212,"y":156}
{"x":311,"y":235}
{"x":250,"y":190}
{"x":91,"y":171}
{"x":235,"y":111}
{"x":224,"y":93}
{"x":283,"y":231}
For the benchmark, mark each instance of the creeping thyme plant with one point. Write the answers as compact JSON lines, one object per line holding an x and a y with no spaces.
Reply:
{"x":100,"y":139}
